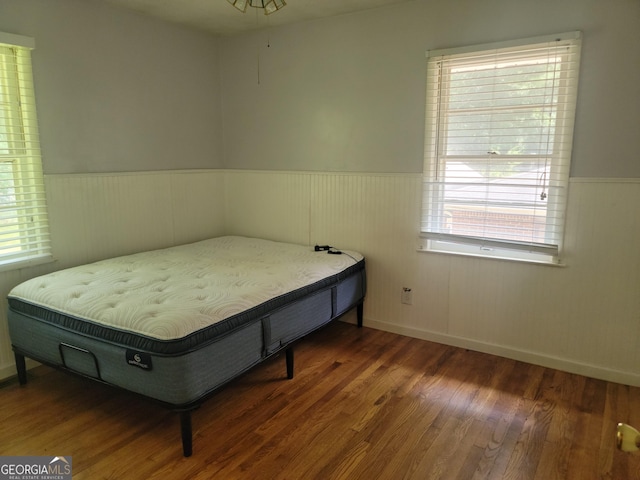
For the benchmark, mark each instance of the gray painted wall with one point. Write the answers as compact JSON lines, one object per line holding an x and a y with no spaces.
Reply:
{"x":347,"y":94}
{"x":119,"y":92}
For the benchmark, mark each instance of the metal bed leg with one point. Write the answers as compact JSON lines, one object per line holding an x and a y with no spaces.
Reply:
{"x":187,"y":435}
{"x":360,"y":313}
{"x":289,"y":355}
{"x":21,"y":366}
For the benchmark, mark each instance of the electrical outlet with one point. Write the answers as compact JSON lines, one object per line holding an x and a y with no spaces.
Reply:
{"x":407,"y":296}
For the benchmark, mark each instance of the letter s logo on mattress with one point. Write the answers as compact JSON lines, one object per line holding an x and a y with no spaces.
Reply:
{"x":139,"y":359}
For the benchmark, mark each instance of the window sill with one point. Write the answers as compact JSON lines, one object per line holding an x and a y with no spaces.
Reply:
{"x":422,"y":247}
{"x":9,"y":265}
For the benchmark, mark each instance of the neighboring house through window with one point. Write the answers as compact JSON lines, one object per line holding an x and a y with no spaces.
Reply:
{"x":24,"y":231}
{"x":499,"y":132}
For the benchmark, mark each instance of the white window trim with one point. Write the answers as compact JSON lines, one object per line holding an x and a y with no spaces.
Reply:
{"x":434,"y":241}
{"x":30,"y":242}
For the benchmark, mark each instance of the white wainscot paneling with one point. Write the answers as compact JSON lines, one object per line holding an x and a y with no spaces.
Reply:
{"x":271,"y":205}
{"x":378,"y":216}
{"x":197,"y":205}
{"x":583,"y":317}
{"x":375,"y":214}
{"x":100,"y":216}
{"x":104,"y":215}
{"x":603,"y":289}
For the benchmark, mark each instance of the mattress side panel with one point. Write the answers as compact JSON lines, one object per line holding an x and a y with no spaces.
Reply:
{"x":173,"y":379}
{"x":350,"y":292}
{"x":294,"y":321}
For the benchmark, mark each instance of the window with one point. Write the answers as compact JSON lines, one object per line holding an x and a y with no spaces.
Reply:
{"x":499,"y":129}
{"x":24,"y":232}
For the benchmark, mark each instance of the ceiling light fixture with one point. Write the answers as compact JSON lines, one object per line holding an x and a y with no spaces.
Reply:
{"x":269,"y":6}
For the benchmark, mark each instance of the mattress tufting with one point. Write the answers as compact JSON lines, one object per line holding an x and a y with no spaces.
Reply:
{"x":171,"y":300}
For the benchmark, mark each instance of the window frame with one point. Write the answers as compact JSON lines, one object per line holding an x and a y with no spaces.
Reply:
{"x":22,"y":198}
{"x":432,"y":230}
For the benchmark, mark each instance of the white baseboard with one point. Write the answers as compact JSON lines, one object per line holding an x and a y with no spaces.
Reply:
{"x":592,"y":371}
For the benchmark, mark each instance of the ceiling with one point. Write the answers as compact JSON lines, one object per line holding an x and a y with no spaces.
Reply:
{"x":221,"y":18}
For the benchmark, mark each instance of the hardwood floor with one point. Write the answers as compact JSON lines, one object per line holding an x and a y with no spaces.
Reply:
{"x":364,"y":404}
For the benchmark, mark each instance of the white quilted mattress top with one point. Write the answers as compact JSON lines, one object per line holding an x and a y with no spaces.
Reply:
{"x":171,"y":293}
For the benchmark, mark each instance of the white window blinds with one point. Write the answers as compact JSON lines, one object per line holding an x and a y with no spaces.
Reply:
{"x":499,"y":130}
{"x":24,"y":232}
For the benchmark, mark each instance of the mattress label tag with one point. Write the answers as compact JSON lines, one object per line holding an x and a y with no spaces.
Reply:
{"x":139,"y":359}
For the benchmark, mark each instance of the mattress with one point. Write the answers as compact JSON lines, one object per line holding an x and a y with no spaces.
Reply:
{"x":175,"y":324}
